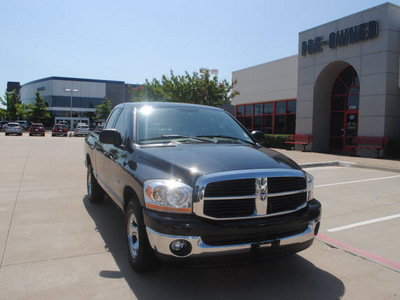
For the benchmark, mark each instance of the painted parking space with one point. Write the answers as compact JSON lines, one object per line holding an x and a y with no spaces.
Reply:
{"x":361,"y":211}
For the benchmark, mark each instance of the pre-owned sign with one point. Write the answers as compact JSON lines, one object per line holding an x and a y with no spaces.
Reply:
{"x":351,"y":35}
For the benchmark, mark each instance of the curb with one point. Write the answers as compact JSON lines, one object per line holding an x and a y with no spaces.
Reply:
{"x":337,"y":163}
{"x":347,"y":165}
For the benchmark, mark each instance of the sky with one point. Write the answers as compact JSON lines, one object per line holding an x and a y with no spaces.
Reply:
{"x":133,"y":40}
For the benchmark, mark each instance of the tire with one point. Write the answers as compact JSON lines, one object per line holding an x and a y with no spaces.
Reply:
{"x":94,"y":191}
{"x":140,"y":254}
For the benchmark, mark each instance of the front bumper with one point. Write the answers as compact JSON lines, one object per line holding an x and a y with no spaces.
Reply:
{"x":203,"y":238}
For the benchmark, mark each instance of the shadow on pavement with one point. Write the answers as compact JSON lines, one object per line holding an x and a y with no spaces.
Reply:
{"x":285,"y":278}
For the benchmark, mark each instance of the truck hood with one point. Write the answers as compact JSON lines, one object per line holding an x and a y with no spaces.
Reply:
{"x":195,"y":160}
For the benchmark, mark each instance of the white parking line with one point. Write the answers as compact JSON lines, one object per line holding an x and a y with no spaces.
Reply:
{"x":364,"y":223}
{"x":357,"y":181}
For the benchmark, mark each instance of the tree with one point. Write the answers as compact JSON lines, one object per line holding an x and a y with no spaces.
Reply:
{"x":3,"y":111}
{"x":23,"y":111}
{"x":38,"y":110}
{"x":195,"y":88}
{"x":12,"y":104}
{"x":103,"y":110}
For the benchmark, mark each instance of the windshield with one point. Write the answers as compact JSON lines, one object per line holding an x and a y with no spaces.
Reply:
{"x":164,"y":124}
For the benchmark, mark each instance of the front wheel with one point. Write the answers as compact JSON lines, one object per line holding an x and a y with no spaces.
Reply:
{"x":94,"y":190}
{"x":140,"y":254}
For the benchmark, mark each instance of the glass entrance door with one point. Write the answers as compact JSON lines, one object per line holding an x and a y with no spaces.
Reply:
{"x":344,"y":110}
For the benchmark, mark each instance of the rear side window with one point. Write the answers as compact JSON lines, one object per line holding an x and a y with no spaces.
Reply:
{"x":111,"y":119}
{"x":120,"y":126}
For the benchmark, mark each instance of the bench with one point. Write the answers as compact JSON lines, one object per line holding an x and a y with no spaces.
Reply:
{"x":375,"y":144}
{"x":300,"y":139}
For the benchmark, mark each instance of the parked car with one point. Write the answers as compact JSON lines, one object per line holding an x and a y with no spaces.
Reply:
{"x":98,"y":129}
{"x":13,"y":128}
{"x":65,"y":123}
{"x":59,"y":129}
{"x":37,"y":129}
{"x":81,"y":130}
{"x":3,"y":125}
{"x":194,"y":184}
{"x":23,"y":124}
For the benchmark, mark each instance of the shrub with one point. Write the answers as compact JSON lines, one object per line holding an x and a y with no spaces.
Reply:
{"x":277,"y":141}
{"x":393,"y":149}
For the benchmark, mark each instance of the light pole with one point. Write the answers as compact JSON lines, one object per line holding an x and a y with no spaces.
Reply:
{"x":205,"y":70}
{"x":72,"y":91}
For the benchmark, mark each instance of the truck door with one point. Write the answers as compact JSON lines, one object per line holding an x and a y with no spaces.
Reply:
{"x":103,"y":154}
{"x":116,"y":158}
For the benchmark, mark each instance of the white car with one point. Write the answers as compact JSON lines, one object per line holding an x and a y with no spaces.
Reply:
{"x":81,"y":130}
{"x":13,"y":128}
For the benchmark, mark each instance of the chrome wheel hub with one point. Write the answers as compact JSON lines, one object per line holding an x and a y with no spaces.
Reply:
{"x":133,"y":236}
{"x":89,"y":182}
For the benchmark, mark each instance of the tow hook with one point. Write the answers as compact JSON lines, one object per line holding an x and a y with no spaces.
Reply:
{"x":255,"y":247}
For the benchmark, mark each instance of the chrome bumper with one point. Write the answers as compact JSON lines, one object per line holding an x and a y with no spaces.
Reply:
{"x":161,"y":243}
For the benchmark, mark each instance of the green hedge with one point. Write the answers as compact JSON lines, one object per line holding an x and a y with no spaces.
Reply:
{"x":277,"y":141}
{"x":393,"y":149}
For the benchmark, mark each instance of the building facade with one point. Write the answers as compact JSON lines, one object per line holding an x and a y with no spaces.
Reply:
{"x":343,"y":83}
{"x":74,"y":98}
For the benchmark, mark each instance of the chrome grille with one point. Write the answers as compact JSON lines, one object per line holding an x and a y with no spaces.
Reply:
{"x":229,"y":208}
{"x":220,"y":197}
{"x":243,"y":187}
{"x":285,"y":184}
{"x":285,"y":203}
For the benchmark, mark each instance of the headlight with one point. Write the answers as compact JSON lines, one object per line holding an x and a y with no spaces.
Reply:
{"x":168,"y":195}
{"x":310,"y":186}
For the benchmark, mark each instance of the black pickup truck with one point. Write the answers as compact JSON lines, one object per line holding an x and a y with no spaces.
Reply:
{"x":194,"y":183}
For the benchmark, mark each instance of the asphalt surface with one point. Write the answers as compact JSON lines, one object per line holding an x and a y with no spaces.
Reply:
{"x":54,"y":244}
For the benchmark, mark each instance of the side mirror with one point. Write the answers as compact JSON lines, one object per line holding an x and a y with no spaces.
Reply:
{"x":258,"y":136}
{"x":110,"y":136}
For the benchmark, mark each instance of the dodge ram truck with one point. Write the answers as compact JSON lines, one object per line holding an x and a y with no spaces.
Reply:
{"x":196,"y":186}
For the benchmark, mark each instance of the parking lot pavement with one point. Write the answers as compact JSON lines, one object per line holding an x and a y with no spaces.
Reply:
{"x":361,"y":211}
{"x":54,"y":244}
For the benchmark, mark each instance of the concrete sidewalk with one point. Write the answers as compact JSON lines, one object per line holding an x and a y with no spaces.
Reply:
{"x":303,"y":158}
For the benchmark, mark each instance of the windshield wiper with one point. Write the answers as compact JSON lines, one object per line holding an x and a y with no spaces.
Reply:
{"x":173,"y":137}
{"x":226,"y":137}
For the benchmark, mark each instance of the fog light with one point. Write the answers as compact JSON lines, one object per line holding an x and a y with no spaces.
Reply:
{"x":177,"y":245}
{"x":180,"y":248}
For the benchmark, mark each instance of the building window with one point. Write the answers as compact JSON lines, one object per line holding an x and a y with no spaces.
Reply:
{"x":345,"y":102}
{"x":277,"y":117}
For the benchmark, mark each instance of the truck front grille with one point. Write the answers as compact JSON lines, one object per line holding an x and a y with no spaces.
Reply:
{"x":243,"y":187}
{"x":285,"y":203}
{"x":285,"y":184}
{"x":240,"y":198}
{"x":229,"y":208}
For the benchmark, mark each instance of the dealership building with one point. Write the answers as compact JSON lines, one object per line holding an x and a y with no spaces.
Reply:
{"x":76,"y":97}
{"x":344,"y":82}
